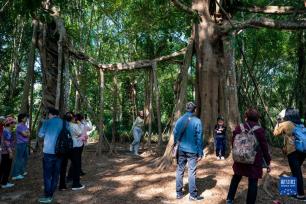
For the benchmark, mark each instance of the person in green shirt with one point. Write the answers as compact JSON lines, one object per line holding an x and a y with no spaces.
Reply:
{"x":137,"y":132}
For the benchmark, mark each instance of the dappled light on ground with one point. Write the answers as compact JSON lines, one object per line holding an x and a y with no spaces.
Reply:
{"x":124,"y":178}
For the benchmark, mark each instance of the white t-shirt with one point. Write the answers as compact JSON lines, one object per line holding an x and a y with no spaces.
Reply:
{"x":76,"y":132}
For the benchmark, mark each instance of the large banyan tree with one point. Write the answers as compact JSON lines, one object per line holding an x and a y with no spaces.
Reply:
{"x":216,"y":89}
{"x":50,"y":38}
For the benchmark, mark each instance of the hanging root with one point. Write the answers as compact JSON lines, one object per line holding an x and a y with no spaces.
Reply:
{"x":267,"y":180}
{"x":163,"y":163}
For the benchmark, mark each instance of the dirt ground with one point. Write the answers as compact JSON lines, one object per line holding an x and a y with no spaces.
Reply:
{"x":123,"y":178}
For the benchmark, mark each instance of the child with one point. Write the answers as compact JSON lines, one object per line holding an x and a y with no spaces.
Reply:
{"x":220,"y":138}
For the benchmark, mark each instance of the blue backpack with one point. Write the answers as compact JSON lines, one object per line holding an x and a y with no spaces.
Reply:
{"x":299,"y":132}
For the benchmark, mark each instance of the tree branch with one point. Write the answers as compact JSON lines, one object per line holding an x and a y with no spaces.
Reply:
{"x":264,"y":23}
{"x":274,"y":24}
{"x":183,"y":7}
{"x":279,"y":10}
{"x":3,"y":7}
{"x":124,"y":66}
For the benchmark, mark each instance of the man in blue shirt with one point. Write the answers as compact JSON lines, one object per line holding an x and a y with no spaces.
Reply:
{"x":50,"y":131}
{"x":188,"y":132}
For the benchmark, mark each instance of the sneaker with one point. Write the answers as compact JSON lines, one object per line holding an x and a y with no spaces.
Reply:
{"x":191,"y":198}
{"x":8,"y":185}
{"x":218,"y":158}
{"x":178,"y":196}
{"x":222,"y":158}
{"x":131,"y":148}
{"x":45,"y":200}
{"x":19,"y":177}
{"x":299,"y":198}
{"x":25,"y":173}
{"x":78,"y":188}
{"x":64,"y":188}
{"x":229,"y":202}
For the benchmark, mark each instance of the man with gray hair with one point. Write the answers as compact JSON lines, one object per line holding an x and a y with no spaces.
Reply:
{"x":188,"y":133}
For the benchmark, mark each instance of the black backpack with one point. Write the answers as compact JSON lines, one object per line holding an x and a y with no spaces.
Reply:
{"x":64,"y":143}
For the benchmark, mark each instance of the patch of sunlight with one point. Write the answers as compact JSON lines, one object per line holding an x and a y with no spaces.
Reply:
{"x":82,"y":198}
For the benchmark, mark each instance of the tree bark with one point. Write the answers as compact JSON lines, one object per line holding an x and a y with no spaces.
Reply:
{"x":114,"y":114}
{"x":301,"y":75}
{"x":280,"y":10}
{"x":15,"y":65}
{"x":66,"y":87}
{"x":102,"y":142}
{"x":52,"y":44}
{"x":133,"y":95}
{"x":77,"y":103}
{"x":62,"y":35}
{"x":263,"y":23}
{"x":210,"y":66}
{"x":30,"y":70}
{"x":125,"y":66}
{"x":150,"y":107}
{"x":233,"y":115}
{"x":157,"y":103}
{"x":48,"y":54}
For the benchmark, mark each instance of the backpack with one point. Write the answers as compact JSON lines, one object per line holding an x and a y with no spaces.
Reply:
{"x":299,"y":133}
{"x":64,"y":143}
{"x":245,"y":145}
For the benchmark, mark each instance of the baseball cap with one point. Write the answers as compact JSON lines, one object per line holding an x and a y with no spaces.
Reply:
{"x":190,"y":107}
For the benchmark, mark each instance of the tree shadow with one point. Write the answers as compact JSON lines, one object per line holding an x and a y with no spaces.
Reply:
{"x":206,"y":183}
{"x":203,"y":184}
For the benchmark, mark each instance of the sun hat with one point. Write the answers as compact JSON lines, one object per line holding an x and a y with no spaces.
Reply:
{"x":9,"y":120}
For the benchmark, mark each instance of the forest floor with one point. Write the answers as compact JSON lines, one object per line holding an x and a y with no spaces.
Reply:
{"x":123,"y":178}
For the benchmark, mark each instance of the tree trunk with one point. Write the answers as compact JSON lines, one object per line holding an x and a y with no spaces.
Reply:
{"x":149,"y":105}
{"x":31,"y":108}
{"x":133,"y":93}
{"x":211,"y":93}
{"x":66,"y":87}
{"x":166,"y":160}
{"x":301,"y":75}
{"x":157,"y":103}
{"x":77,"y":103}
{"x":30,"y":71}
{"x":114,"y":115}
{"x":231,"y":96}
{"x":60,"y":57}
{"x":102,"y":142}
{"x":233,"y":116}
{"x":51,"y":41}
{"x":15,"y":65}
{"x":209,"y":71}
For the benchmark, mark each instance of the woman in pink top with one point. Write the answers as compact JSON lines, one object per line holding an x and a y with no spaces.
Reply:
{"x":7,"y":152}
